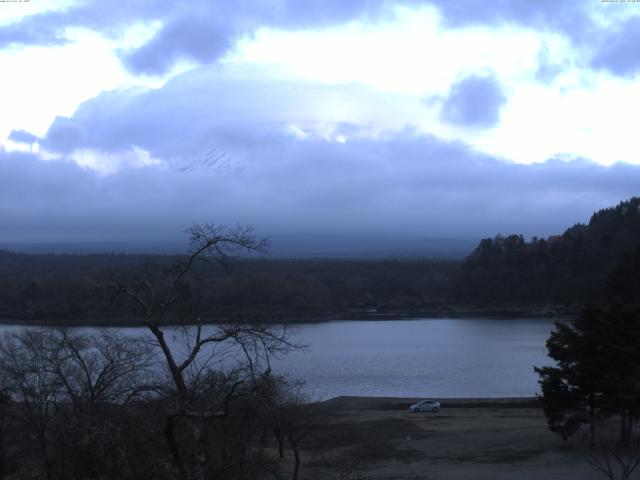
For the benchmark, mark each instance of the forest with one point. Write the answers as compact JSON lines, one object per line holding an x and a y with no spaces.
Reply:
{"x":565,"y":269}
{"x":505,"y":274}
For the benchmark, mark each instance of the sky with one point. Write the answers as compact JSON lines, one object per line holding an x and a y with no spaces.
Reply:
{"x":131,"y":121}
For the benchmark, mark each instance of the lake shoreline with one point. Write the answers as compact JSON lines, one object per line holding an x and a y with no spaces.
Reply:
{"x":353,"y":315}
{"x":402,"y":403}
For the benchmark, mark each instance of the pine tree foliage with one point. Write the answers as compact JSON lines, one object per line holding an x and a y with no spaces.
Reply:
{"x":598,"y":359}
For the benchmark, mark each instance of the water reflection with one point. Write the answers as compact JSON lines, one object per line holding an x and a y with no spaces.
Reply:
{"x":421,"y":358}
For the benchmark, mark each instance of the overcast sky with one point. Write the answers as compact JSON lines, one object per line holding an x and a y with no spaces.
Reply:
{"x":133,"y":120}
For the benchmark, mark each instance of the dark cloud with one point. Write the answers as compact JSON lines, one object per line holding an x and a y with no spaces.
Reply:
{"x":66,"y":134}
{"x":30,"y":32}
{"x":48,"y":28}
{"x":618,"y":52}
{"x":407,"y":184}
{"x":570,"y":17}
{"x":192,"y":36}
{"x":474,"y":101}
{"x":22,"y":136}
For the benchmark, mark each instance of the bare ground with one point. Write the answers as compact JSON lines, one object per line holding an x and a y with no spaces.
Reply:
{"x":378,"y":438}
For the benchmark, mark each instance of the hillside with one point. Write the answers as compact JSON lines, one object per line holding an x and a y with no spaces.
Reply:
{"x":567,"y":269}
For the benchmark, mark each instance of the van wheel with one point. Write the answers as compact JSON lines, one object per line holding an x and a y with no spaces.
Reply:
{"x":416,"y":410}
{"x":435,"y":409}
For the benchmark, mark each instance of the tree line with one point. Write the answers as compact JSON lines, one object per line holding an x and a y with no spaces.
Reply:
{"x":77,"y":289}
{"x":565,"y":269}
{"x":503,"y":273}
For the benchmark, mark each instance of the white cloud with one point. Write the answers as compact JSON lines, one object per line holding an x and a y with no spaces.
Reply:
{"x":593,"y":120}
{"x":412,"y":53}
{"x":40,"y":83}
{"x":105,"y":163}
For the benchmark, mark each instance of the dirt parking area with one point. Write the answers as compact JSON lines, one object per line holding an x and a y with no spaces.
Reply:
{"x":378,"y":438}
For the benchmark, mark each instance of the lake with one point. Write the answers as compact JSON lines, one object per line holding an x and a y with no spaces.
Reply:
{"x":420,"y":358}
{"x":438,"y":358}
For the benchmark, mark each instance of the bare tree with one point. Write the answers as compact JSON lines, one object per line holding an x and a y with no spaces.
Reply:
{"x":271,"y":398}
{"x":613,"y":459}
{"x":287,"y":412}
{"x":69,"y":391}
{"x":34,"y":388}
{"x":6,"y":427}
{"x":198,"y":395}
{"x":105,"y":368}
{"x":303,"y":417}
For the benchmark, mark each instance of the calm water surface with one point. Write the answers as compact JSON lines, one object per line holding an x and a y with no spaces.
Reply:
{"x":420,"y":358}
{"x":414,"y":358}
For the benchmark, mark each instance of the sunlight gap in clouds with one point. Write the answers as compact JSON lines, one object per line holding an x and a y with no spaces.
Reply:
{"x":411,"y":53}
{"x":574,"y":113}
{"x":41,"y":83}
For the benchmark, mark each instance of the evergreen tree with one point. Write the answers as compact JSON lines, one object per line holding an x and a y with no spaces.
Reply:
{"x":566,"y":269}
{"x":623,"y":337}
{"x":572,"y":392}
{"x":598,"y":359}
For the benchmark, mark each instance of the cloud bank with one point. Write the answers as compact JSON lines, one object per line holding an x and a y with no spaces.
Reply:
{"x":415,"y":186}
